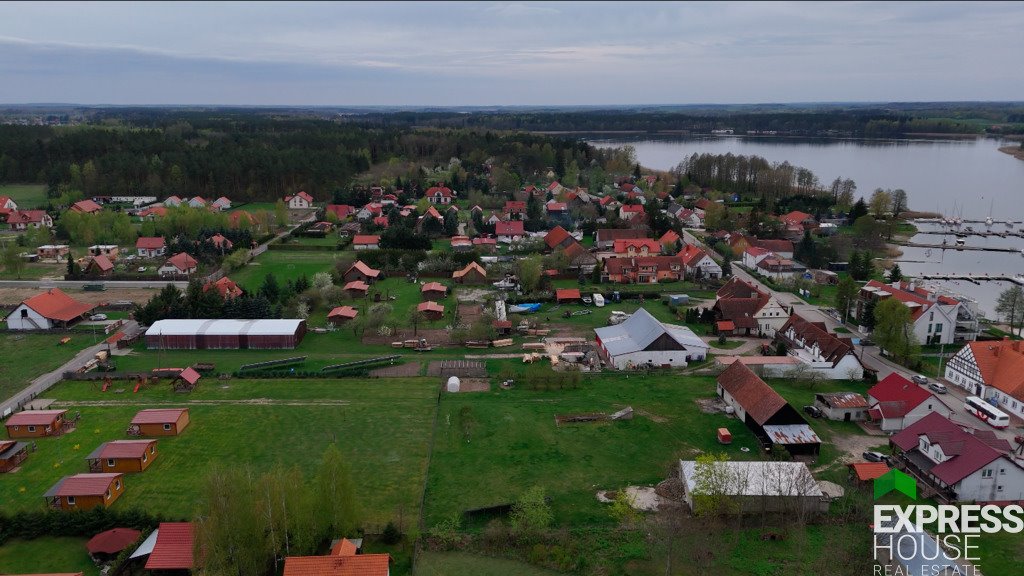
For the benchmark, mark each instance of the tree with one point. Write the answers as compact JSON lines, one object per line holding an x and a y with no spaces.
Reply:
{"x":713,"y":486}
{"x":899,"y":202}
{"x":859,"y":209}
{"x":894,"y":330}
{"x":531,"y":514}
{"x":13,"y":262}
{"x":280,"y":214}
{"x":726,"y":268}
{"x":337,"y":494}
{"x":270,"y":289}
{"x":1010,"y":306}
{"x":895,"y":274}
{"x":880,"y":203}
{"x":714,"y":216}
{"x":529,"y":273}
{"x":846,"y":294}
{"x":867,"y":314}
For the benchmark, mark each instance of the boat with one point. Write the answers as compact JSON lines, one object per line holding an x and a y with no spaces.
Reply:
{"x":506,"y":284}
{"x":523,"y":308}
{"x":598,"y":300}
{"x":960,"y":242}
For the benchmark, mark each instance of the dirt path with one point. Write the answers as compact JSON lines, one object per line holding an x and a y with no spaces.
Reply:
{"x":852,"y":448}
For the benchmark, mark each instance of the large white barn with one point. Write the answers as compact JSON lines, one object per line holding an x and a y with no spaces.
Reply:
{"x":644,"y":341}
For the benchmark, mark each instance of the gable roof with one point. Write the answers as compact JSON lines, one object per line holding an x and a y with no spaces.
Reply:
{"x":82,"y":485}
{"x":25,"y":216}
{"x":567,"y":294}
{"x":33,"y":417}
{"x":471,"y":267}
{"x":56,"y":305}
{"x":87,"y":206}
{"x":967,"y":453}
{"x":623,"y":245}
{"x":101,"y":262}
{"x":182,"y":261}
{"x":869,"y":470}
{"x":692,"y":255}
{"x":302,"y":195}
{"x":429,"y":306}
{"x":775,"y":245}
{"x":1001,"y":365}
{"x":434,"y":287}
{"x":356,"y":285}
{"x":343,"y":312}
{"x":150,"y":242}
{"x":363,"y":269}
{"x":366,"y":239}
{"x":442,"y":190}
{"x":342,"y":211}
{"x":740,"y":311}
{"x":896,"y":396}
{"x":738,"y":288}
{"x":173,"y":549}
{"x":618,"y":265}
{"x":640,"y":330}
{"x":759,"y":400}
{"x":158,"y":415}
{"x":510,"y":228}
{"x":917,"y":299}
{"x":120,"y":449}
{"x":357,"y":565}
{"x":795,"y":217}
{"x":226,"y":287}
{"x":669,"y":236}
{"x":832,"y":348}
{"x":556,"y":236}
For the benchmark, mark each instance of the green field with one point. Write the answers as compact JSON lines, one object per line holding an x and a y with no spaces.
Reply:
{"x":46,"y":555}
{"x":36,"y":270}
{"x":690,"y":288}
{"x":462,"y":564}
{"x":27,"y":196}
{"x":284,"y":265}
{"x":381,"y":425}
{"x":30,"y":355}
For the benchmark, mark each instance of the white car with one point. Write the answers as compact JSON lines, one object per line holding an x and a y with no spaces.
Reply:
{"x":98,"y":317}
{"x":142,"y":269}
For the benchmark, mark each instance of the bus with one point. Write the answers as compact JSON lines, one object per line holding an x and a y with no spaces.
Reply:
{"x":986,"y":412}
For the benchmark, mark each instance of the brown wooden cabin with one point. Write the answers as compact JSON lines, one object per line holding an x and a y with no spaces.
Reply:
{"x":159,"y":422}
{"x":122,"y":456}
{"x":12,"y":454}
{"x":36,"y":424}
{"x":85,"y":491}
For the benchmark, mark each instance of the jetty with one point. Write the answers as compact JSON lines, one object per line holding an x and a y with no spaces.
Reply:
{"x":981,"y":233}
{"x":973,"y":278}
{"x":956,"y":247}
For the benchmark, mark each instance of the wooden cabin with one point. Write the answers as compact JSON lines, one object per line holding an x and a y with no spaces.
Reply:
{"x":12,"y":454}
{"x":473,"y":273}
{"x":122,"y":456}
{"x":434,"y":291}
{"x":341,"y":315}
{"x":85,"y":491}
{"x":431,"y":310}
{"x":159,"y":422}
{"x":36,"y":424}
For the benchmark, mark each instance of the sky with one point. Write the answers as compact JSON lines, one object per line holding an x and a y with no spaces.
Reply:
{"x":501,"y":53}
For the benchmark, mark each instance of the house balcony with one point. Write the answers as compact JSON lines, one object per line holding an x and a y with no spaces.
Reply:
{"x":917,"y":465}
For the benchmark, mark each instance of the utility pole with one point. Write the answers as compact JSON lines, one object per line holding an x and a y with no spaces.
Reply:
{"x":942,"y":350}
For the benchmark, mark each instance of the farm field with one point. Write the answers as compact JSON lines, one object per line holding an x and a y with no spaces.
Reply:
{"x":27,"y":196}
{"x":29,"y":355}
{"x":46,"y":555}
{"x":607,"y":288}
{"x":284,"y":265}
{"x":382,"y":426}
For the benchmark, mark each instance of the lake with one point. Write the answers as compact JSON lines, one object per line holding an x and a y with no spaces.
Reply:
{"x":972,"y":174}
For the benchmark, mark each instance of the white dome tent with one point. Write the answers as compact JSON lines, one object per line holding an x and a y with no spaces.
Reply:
{"x":453,"y":384}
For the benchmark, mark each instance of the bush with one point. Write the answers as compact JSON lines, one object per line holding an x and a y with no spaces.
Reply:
{"x":391,"y":534}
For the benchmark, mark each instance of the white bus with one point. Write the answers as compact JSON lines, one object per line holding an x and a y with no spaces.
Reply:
{"x":986,"y":412}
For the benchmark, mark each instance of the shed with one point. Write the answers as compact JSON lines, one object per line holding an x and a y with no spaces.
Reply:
{"x":85,"y":491}
{"x":568,"y":295}
{"x":357,"y":288}
{"x":36,"y":424}
{"x":768,"y":486}
{"x":202,"y":334}
{"x":123,"y":456}
{"x":641,"y":340}
{"x":473,"y":273}
{"x":847,"y":406}
{"x":433,"y":291}
{"x":867,"y":471}
{"x":341,"y":315}
{"x":186,"y":380}
{"x":724,"y":436}
{"x":12,"y":454}
{"x":432,"y":310}
{"x":160,"y":422}
{"x":362,"y":272}
{"x":453,"y":384}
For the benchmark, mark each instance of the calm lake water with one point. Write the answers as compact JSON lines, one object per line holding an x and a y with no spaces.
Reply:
{"x":937,"y":174}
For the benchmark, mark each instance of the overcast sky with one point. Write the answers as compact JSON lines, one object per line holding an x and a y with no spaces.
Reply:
{"x":519,"y":53}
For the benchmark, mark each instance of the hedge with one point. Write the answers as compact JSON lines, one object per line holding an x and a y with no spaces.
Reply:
{"x":30,"y":525}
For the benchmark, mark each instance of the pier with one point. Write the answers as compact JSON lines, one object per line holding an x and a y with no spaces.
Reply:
{"x":955,"y":247}
{"x":982,"y":233}
{"x":974,"y":278}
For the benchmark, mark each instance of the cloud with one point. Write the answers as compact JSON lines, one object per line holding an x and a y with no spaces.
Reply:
{"x":521,"y":10}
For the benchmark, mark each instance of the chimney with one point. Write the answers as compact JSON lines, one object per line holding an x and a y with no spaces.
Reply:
{"x":912,"y":286}
{"x":1016,"y":345}
{"x":896,"y":284}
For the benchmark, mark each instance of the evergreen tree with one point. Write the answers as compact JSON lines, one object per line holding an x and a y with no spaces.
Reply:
{"x":895,"y":274}
{"x":726,"y":268}
{"x":860,"y":208}
{"x":270,"y":289}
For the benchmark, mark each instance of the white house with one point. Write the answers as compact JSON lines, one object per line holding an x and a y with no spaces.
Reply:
{"x":181,"y":264}
{"x":7,"y":203}
{"x":440,"y":194}
{"x":172,"y":202}
{"x":698,"y":264}
{"x":955,"y":464}
{"x":151,"y":246}
{"x":991,"y":370}
{"x":753,"y":255}
{"x":47,"y":310}
{"x":299,"y":201}
{"x":644,"y":341}
{"x":938,"y":319}
{"x":832,"y":357}
{"x":896,"y":403}
{"x":197,"y":202}
{"x":222,"y":203}
{"x":365,"y":242}
{"x":25,"y":219}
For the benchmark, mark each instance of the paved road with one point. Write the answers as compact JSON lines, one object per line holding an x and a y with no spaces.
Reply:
{"x":44,"y":382}
{"x":80,"y":283}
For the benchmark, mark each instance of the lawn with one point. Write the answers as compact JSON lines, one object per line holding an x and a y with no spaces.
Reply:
{"x":30,"y":355}
{"x":284,"y":265}
{"x":690,"y":288}
{"x":26,"y":196}
{"x":462,"y":564}
{"x":36,"y":270}
{"x":328,"y":241}
{"x":383,"y":426}
{"x":46,"y":555}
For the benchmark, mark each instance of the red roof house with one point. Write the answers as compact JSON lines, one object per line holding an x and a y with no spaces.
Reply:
{"x":181,"y":264}
{"x":366,"y":242}
{"x":35,"y":423}
{"x":439,"y":194}
{"x":160,"y":421}
{"x":85,"y":491}
{"x":226,"y":287}
{"x":637,"y":247}
{"x":567,"y":295}
{"x":432,"y":310}
{"x":510,"y":230}
{"x":340,"y":565}
{"x":341,"y":211}
{"x":342,"y":314}
{"x":362,"y":272}
{"x":896,"y":403}
{"x":433,"y":291}
{"x":47,"y":310}
{"x":151,"y":246}
{"x":86,"y":207}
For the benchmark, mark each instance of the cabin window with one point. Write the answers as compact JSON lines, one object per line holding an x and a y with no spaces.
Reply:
{"x":117,"y":484}
{"x":31,"y":428}
{"x":24,"y":313}
{"x":145,"y":457}
{"x":168,"y":426}
{"x":110,"y":462}
{"x":71,"y":500}
{"x":107,"y":495}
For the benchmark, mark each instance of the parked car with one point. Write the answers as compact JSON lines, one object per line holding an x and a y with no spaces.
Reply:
{"x":142,"y":268}
{"x":814,"y":411}
{"x":875,"y":457}
{"x":98,"y":317}
{"x":918,"y":379}
{"x":937,"y":388}
{"x":867,"y":342}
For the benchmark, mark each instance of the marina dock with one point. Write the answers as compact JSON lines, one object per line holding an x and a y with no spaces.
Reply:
{"x":974,"y":278}
{"x":955,"y":247}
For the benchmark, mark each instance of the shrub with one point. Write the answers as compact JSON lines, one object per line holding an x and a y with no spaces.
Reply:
{"x":391,"y":534}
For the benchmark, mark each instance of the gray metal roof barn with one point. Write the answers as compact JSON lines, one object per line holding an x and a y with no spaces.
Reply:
{"x":200,"y":334}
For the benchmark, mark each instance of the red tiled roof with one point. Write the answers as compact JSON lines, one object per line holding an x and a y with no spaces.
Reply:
{"x":555,"y":237}
{"x":967,"y":452}
{"x":33,"y":417}
{"x":173,"y":548}
{"x":632,"y":208}
{"x":737,"y":288}
{"x":567,"y":294}
{"x":692,"y":255}
{"x":726,"y":325}
{"x":669,"y":236}
{"x":472,"y":266}
{"x":514,"y":206}
{"x":363,"y":269}
{"x":429,"y":306}
{"x":758,"y":399}
{"x":554,"y":186}
{"x":219,"y":240}
{"x":661,"y":263}
{"x":775,"y":245}
{"x":897,"y":395}
{"x":510,"y":228}
{"x":381,"y":221}
{"x":443,"y":190}
{"x":102,"y":262}
{"x":795,"y":217}
{"x":112,"y":541}
{"x":158,"y":415}
{"x":757,"y":251}
{"x":150,"y":242}
{"x":917,"y":296}
{"x":1001,"y":365}
{"x":123,"y":449}
{"x":869,"y":470}
{"x":340,"y":210}
{"x":366,"y":239}
{"x":182,"y":261}
{"x":359,"y":565}
{"x":83,"y":485}
{"x":344,"y":547}
{"x":357,"y":285}
{"x":480,"y":241}
{"x":56,"y":305}
{"x":87,"y":206}
{"x":622,"y":246}
{"x":557,"y":206}
{"x":25,"y":216}
{"x":434,"y":287}
{"x":502,"y":324}
{"x":225,"y":286}
{"x":343,"y":312}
